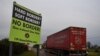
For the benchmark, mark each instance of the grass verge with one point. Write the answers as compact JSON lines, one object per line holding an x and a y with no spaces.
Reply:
{"x":28,"y":53}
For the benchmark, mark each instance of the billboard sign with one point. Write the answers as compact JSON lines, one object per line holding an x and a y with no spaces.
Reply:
{"x":25,"y":25}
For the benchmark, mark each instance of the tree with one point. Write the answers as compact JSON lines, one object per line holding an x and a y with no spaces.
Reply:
{"x":18,"y":48}
{"x":89,"y":45}
{"x":96,"y":47}
{"x":4,"y":47}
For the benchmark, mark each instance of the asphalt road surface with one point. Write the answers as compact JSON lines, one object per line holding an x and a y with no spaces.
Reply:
{"x":42,"y":52}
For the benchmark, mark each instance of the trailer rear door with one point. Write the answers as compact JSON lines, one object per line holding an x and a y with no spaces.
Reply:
{"x":78,"y":39}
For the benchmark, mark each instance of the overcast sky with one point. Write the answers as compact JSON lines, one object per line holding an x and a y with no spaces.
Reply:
{"x":57,"y":15}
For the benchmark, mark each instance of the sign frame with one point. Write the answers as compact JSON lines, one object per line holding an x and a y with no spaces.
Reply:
{"x":25,"y":25}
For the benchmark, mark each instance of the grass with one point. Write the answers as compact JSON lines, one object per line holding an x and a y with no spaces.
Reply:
{"x":28,"y":53}
{"x":93,"y":53}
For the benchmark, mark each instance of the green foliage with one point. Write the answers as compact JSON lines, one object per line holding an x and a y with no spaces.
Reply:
{"x":28,"y":53}
{"x":4,"y":47}
{"x":93,"y":52}
{"x":18,"y":48}
{"x":89,"y":44}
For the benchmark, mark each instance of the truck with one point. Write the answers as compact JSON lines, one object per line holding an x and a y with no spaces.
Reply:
{"x":68,"y":42}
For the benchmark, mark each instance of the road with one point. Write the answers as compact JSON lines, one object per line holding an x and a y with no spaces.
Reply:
{"x":42,"y":52}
